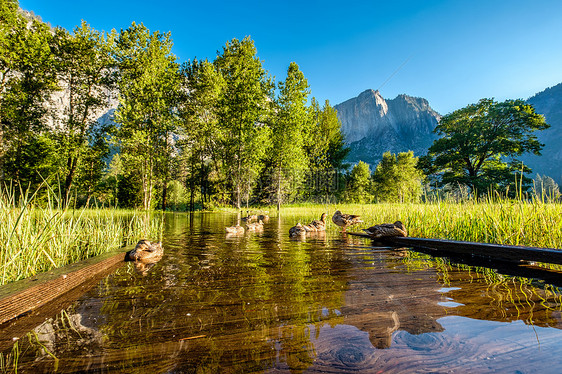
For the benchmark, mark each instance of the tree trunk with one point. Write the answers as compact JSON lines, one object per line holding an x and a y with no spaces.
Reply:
{"x":71,"y":163}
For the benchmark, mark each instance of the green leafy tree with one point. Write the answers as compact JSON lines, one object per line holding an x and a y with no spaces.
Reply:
{"x":242,"y":112}
{"x":359,"y":184}
{"x":148,"y":87}
{"x":92,"y":166}
{"x":28,"y":78}
{"x":479,"y":144}
{"x":202,"y":136}
{"x":397,"y":179}
{"x":85,"y":71}
{"x":290,"y":128}
{"x":326,"y":150}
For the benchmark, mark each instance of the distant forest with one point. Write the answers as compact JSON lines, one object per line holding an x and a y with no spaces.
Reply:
{"x":198,"y":134}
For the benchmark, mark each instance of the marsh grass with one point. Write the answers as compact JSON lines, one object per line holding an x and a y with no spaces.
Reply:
{"x":38,"y":236}
{"x":493,"y":220}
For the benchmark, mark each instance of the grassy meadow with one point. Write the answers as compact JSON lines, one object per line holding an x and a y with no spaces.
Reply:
{"x":37,"y":237}
{"x":500,"y":221}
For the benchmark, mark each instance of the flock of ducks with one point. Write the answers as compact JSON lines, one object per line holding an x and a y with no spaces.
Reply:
{"x":146,"y":253}
{"x":340,"y":219}
{"x":384,"y":230}
{"x":250,"y":225}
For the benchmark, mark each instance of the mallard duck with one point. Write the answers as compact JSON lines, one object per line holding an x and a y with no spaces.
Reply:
{"x":344,"y":220}
{"x":297,"y":230}
{"x":234,"y":229}
{"x":263,"y":217}
{"x":386,"y":230}
{"x":255,"y":226}
{"x":320,"y":224}
{"x":146,"y":251}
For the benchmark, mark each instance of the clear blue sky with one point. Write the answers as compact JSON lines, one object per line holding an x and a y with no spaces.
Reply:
{"x":457,"y":51}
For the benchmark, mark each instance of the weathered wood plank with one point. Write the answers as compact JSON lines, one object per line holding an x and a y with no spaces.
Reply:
{"x":502,"y":252}
{"x":27,"y":295}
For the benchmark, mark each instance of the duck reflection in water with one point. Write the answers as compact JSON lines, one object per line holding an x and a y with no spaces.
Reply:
{"x":145,"y":255}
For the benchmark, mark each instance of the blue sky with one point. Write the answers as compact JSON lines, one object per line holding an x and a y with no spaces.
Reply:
{"x":452,"y":53}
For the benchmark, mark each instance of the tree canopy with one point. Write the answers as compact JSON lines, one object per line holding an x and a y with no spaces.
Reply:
{"x":480,"y":143}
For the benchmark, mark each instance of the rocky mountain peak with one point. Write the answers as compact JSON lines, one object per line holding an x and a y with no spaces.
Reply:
{"x":373,"y":125}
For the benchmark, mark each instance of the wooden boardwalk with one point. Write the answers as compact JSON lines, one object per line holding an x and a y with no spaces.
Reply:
{"x":509,"y":253}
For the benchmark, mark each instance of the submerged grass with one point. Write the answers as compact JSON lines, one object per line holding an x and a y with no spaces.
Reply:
{"x":37,"y":237}
{"x":499,"y":221}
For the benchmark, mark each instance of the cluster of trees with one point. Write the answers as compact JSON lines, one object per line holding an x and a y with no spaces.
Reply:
{"x":219,"y":132}
{"x":476,"y":154}
{"x":396,"y":178}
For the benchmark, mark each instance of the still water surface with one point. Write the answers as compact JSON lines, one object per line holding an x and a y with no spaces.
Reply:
{"x":265,"y":303}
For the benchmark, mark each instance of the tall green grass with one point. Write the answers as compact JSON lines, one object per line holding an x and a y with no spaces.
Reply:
{"x":37,"y":236}
{"x":500,"y":221}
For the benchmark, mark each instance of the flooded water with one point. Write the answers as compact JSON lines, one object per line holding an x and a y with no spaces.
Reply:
{"x":265,"y":303}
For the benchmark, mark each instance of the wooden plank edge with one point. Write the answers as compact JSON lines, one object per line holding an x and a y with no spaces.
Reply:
{"x":63,"y":280}
{"x":499,"y":251}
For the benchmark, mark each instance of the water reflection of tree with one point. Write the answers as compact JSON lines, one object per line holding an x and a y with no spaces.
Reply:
{"x":250,"y":304}
{"x":489,"y":295}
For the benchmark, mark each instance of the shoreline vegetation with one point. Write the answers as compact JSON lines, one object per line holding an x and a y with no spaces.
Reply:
{"x":493,"y":220}
{"x":38,"y":236}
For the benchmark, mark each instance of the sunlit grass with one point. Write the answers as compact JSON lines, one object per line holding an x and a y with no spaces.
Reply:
{"x":500,"y":221}
{"x":37,"y":237}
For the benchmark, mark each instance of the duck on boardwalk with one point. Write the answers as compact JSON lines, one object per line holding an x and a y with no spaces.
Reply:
{"x":256,"y":226}
{"x":320,"y":224}
{"x":386,"y":230}
{"x":146,"y":251}
{"x":344,"y":220}
{"x":234,"y":229}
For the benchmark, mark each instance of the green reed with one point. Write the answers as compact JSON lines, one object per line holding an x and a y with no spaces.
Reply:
{"x":494,"y":220}
{"x":37,"y":236}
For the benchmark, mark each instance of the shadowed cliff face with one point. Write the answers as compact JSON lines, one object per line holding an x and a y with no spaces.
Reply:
{"x":373,"y":125}
{"x":549,"y":104}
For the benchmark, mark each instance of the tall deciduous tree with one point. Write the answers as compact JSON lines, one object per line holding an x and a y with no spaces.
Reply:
{"x":27,"y":77}
{"x":202,"y":135}
{"x":326,"y":150}
{"x":242,"y":112}
{"x":359,"y":184}
{"x":479,"y":143}
{"x":396,"y":178}
{"x":148,"y":87}
{"x":290,"y":128}
{"x":86,"y":73}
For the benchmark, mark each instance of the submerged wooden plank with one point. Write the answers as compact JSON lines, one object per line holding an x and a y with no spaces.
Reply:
{"x":502,"y":252}
{"x":24,"y":296}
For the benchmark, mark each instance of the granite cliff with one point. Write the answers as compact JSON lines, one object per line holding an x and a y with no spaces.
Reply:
{"x":373,"y":125}
{"x":549,"y":104}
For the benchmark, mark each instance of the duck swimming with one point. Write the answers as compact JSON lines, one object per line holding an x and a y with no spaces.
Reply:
{"x":297,"y":230}
{"x":320,"y":224}
{"x":344,"y":220}
{"x":234,"y":229}
{"x":386,"y":230}
{"x":146,"y":251}
{"x":256,"y":226}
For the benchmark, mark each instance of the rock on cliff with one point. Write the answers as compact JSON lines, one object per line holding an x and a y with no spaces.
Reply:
{"x":373,"y":125}
{"x":549,"y":104}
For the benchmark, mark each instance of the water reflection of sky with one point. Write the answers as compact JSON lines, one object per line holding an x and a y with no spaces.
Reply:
{"x":331,"y":303}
